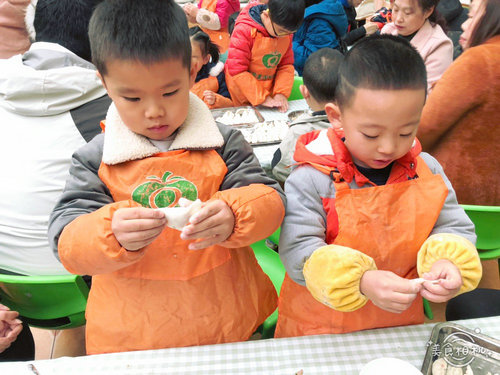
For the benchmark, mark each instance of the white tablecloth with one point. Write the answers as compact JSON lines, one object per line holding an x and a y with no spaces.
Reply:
{"x":324,"y":354}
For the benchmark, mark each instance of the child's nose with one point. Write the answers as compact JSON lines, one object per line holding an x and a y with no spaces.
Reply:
{"x":155,"y":110}
{"x":386,"y":147}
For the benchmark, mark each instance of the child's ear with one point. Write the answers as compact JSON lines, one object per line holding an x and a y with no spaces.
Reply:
{"x":102,"y":79}
{"x":304,"y":91}
{"x":333,"y":114}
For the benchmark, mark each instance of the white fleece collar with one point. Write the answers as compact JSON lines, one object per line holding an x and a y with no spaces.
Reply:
{"x":199,"y":131}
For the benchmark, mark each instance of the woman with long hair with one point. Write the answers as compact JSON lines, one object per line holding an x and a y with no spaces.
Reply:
{"x":460,"y":125}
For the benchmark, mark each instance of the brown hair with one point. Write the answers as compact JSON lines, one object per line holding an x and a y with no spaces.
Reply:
{"x":489,"y":24}
{"x":435,"y":18}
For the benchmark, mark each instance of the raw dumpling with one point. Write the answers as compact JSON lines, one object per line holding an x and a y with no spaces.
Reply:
{"x":439,"y":367}
{"x":178,"y":217}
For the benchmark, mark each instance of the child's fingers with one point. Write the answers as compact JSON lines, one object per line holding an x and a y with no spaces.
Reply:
{"x":208,"y":210}
{"x":207,"y":242}
{"x":139,"y":225}
{"x":140,"y":237}
{"x":14,"y":332}
{"x":136,"y":213}
{"x":8,"y":315}
{"x":434,"y":297}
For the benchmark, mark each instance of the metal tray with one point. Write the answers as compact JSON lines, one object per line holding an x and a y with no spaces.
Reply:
{"x":294,"y":115}
{"x":262,"y":143}
{"x":461,"y":347}
{"x":216,"y":113}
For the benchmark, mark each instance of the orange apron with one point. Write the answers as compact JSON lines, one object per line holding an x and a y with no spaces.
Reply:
{"x":388,"y":223}
{"x":221,"y":36}
{"x":212,"y":84}
{"x":160,"y":181}
{"x":265,"y":57}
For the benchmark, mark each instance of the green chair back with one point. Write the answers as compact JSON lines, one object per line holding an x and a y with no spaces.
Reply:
{"x":270,"y":262}
{"x":486,"y":219}
{"x":295,"y":94}
{"x":51,"y":302}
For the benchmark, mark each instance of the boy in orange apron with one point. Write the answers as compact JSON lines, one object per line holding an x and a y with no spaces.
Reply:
{"x":367,"y":211}
{"x":259,"y":66}
{"x":154,"y":286}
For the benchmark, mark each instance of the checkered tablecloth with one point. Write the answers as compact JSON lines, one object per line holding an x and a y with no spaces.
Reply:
{"x":325,"y":354}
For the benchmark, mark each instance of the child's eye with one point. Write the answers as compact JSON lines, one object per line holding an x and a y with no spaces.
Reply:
{"x":170,"y":93}
{"x":370,"y":136}
{"x":131,"y":99}
{"x":406,"y":135}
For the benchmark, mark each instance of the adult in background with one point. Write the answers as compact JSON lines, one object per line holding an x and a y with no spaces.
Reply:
{"x":51,"y":103}
{"x":354,"y":31}
{"x":13,"y":36}
{"x":460,"y":126}
{"x":325,"y":22}
{"x":459,"y":123}
{"x":419,"y":22}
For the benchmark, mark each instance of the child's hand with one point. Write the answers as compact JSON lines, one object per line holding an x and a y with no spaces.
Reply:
{"x":209,"y":97}
{"x":191,"y":11}
{"x":137,"y":227}
{"x":282,"y":102}
{"x":10,"y":327}
{"x":270,"y":102}
{"x":448,"y":287}
{"x":388,"y":291}
{"x":213,"y":224}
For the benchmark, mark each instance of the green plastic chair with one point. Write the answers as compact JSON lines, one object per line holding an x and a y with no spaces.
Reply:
{"x":270,"y":262}
{"x":50,"y":302}
{"x":486,"y":219}
{"x":295,"y":94}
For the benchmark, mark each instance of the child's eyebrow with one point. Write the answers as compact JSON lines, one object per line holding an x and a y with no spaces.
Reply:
{"x":130,"y":90}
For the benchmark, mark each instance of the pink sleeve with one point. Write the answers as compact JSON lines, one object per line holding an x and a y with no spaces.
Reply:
{"x":224,"y":9}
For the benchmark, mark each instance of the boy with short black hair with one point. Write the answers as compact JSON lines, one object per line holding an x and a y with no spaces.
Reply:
{"x":259,"y":68}
{"x":155,"y":287}
{"x":320,"y":81}
{"x":372,"y":223}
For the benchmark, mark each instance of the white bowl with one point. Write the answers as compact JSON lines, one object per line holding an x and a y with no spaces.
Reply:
{"x":389,"y":366}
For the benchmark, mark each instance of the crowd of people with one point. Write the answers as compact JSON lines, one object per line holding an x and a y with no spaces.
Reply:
{"x":111,"y":100}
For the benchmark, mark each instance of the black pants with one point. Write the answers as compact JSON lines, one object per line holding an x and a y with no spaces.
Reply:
{"x":479,"y":303}
{"x":23,"y":349}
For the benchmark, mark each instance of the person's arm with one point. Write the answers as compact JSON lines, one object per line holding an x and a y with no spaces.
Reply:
{"x":257,"y":201}
{"x":319,"y":34}
{"x":331,"y":273}
{"x":354,"y":35}
{"x":438,"y":61}
{"x":452,"y":237}
{"x":283,"y":81}
{"x":224,"y":9}
{"x":80,"y":224}
{"x":208,"y":20}
{"x":462,"y":87}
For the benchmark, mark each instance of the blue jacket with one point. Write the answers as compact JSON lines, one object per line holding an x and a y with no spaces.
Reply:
{"x":324,"y":24}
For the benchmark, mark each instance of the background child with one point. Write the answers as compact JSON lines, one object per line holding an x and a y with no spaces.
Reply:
{"x":210,"y":84}
{"x":259,"y":68}
{"x":155,"y":287}
{"x":213,"y":16}
{"x":368,"y":212}
{"x":320,"y":81}
{"x":324,"y":24}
